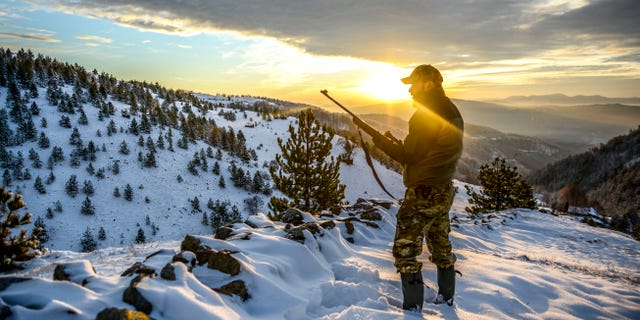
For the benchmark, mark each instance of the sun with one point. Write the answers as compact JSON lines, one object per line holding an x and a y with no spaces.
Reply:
{"x":385,"y":84}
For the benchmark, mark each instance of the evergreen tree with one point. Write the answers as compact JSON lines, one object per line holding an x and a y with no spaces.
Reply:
{"x":221,"y":182}
{"x":71,"y":187}
{"x":43,"y":123}
{"x":195,"y":205}
{"x":124,"y":148}
{"x":43,"y":236}
{"x":128,"y":192}
{"x":87,"y":207}
{"x":205,"y":220}
{"x":140,"y":238}
{"x":503,"y":188}
{"x":39,"y":186}
{"x":20,"y":247}
{"x":88,"y":188}
{"x":87,"y":242}
{"x":102,"y":235}
{"x":57,"y":206}
{"x":43,"y":141}
{"x":306,"y":175}
{"x":116,"y":192}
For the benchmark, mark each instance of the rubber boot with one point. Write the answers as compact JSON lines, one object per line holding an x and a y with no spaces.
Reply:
{"x":412,"y":291}
{"x":446,"y":285}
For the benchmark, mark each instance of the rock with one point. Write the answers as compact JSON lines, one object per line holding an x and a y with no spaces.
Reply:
{"x":383,"y":203}
{"x":372,"y":214}
{"x":139,"y":268}
{"x":328,"y":224}
{"x":132,"y":296}
{"x":224,"y":232}
{"x":371,"y":224}
{"x":120,"y":314}
{"x":224,"y":262}
{"x":79,"y":272}
{"x":293,"y":216}
{"x":350,"y":239}
{"x":349,"y":225}
{"x":168,"y":273}
{"x":187,"y":257}
{"x":190,"y":243}
{"x":297,"y":234}
{"x":236,"y":287}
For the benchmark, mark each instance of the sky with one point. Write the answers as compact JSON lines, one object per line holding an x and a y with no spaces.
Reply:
{"x":356,"y":49}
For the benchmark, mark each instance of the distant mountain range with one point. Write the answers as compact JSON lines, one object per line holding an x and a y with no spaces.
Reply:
{"x":589,"y":125}
{"x":559,"y":99}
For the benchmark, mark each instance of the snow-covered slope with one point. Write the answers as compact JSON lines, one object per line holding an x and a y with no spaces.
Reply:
{"x":517,"y":264}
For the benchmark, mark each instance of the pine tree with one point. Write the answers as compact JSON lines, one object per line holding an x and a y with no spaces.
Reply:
{"x":88,"y":188}
{"x":503,"y":188}
{"x":71,"y":187}
{"x":87,"y":242}
{"x":128,"y":192}
{"x":124,"y":148}
{"x":102,"y":235}
{"x":87,"y":207}
{"x":39,"y":186}
{"x":216,"y":168}
{"x":306,"y":175}
{"x":20,"y":247}
{"x":140,"y":238}
{"x":195,"y":205}
{"x":116,"y":192}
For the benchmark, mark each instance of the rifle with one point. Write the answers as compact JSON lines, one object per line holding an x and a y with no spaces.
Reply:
{"x":360,"y":123}
{"x":372,"y":132}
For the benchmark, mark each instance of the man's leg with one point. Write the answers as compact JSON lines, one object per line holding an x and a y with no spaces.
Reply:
{"x":406,"y":247}
{"x":440,"y":246}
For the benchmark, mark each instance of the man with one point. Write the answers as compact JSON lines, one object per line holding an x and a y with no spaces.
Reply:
{"x":429,"y":155}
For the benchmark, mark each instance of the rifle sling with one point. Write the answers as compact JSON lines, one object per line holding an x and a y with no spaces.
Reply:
{"x":370,"y":163}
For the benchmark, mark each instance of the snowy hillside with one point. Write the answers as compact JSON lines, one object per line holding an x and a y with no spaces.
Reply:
{"x":518,"y":264}
{"x":159,"y":199}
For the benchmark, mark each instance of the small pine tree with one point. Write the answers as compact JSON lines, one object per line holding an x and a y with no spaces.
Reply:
{"x":124,"y":148}
{"x":195,"y":205}
{"x":88,"y":188}
{"x":88,"y":242}
{"x":307,"y":175}
{"x":71,"y":187}
{"x":87,"y":208}
{"x":216,"y":168}
{"x":116,"y":192}
{"x":128,"y":192}
{"x":57,"y":206}
{"x":102,"y":235}
{"x":205,"y":220}
{"x":221,"y":182}
{"x":20,"y":247}
{"x":503,"y":188}
{"x":43,"y":236}
{"x":140,"y":238}
{"x":39,"y":186}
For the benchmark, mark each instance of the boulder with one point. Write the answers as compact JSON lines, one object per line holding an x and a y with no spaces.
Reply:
{"x":371,"y":214}
{"x":223,"y":232}
{"x":139,"y":268}
{"x":120,"y":314}
{"x":168,"y":273}
{"x":349,"y":225}
{"x":236,"y":287}
{"x":293,"y":216}
{"x":79,"y":272}
{"x":190,"y":243}
{"x":132,"y":296}
{"x":297,"y":234}
{"x":187,"y":257}
{"x":224,"y":262}
{"x":328,"y":224}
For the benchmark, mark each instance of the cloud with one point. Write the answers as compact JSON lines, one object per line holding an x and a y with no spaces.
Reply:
{"x":94,"y":38}
{"x":399,"y":31}
{"x":28,"y":37}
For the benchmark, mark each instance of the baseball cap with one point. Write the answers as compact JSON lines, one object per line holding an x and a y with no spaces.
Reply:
{"x":424,"y":72}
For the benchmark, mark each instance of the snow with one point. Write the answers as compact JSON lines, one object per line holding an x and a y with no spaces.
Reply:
{"x":516,"y":264}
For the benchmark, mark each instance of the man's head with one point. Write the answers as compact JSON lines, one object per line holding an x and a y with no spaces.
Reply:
{"x":423,"y":78}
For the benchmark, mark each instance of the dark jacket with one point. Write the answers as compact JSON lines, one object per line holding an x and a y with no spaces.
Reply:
{"x":430,"y":151}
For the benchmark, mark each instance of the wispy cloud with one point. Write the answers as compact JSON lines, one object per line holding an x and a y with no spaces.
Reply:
{"x":184,"y":46}
{"x":28,"y":37}
{"x":94,"y":38}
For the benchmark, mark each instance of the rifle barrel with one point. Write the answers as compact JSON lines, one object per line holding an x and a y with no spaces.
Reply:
{"x":326,"y":94}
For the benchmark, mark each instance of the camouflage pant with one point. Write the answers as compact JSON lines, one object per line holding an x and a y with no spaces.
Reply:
{"x":424,"y":212}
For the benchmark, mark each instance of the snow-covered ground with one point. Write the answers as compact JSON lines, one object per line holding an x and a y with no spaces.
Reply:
{"x":517,"y":264}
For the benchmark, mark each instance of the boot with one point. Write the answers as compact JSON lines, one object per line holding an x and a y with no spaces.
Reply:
{"x":412,"y":291}
{"x":446,"y":285}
